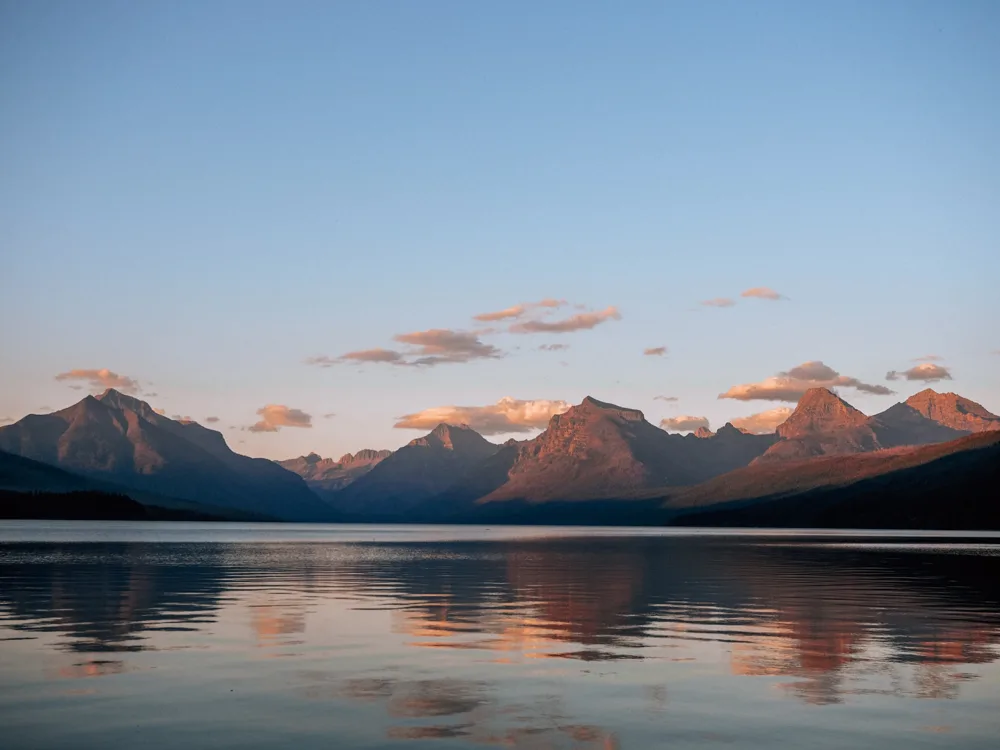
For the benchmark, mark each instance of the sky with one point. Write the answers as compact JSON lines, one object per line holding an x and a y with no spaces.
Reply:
{"x":299,"y":223}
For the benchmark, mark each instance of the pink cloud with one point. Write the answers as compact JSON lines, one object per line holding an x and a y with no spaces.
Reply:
{"x":765,"y":422}
{"x":791,"y":385}
{"x":684,"y":424}
{"x":718,"y":302}
{"x":578,"y":322}
{"x":508,"y":415}
{"x":518,"y":311}
{"x":927,"y":372}
{"x":102,"y":379}
{"x":275,"y":416}
{"x":763,"y":292}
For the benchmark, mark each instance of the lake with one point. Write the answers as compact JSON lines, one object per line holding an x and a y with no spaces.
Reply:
{"x":128,"y":635}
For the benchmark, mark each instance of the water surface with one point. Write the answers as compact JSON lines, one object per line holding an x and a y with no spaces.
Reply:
{"x":168,"y":635}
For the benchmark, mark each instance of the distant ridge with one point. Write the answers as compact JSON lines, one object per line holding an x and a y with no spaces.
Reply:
{"x":326,"y":475}
{"x":420,"y":469}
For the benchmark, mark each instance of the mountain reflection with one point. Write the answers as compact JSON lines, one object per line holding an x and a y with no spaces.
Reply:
{"x":823,"y":621}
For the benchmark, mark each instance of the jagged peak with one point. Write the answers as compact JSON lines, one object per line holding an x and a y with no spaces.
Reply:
{"x":703,"y":432}
{"x":591,"y":405}
{"x":365,"y":454}
{"x":821,"y":410}
{"x":450,"y":437}
{"x":729,"y":429}
{"x":953,"y":410}
{"x":119,"y":400}
{"x":819,"y":396}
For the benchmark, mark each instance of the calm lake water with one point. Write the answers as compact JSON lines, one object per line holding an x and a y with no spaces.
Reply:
{"x":129,"y":635}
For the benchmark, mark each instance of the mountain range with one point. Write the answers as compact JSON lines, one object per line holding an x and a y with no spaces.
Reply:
{"x":596,"y":462}
{"x":326,"y":474}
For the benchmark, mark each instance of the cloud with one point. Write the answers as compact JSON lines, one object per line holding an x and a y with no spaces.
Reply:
{"x":655,"y":351}
{"x":152,"y":395}
{"x":161,"y":412}
{"x":100,"y":380}
{"x":211,"y":420}
{"x":763,"y":292}
{"x":765,"y":422}
{"x":928,"y":358}
{"x":789,"y":386}
{"x":672,"y":399}
{"x":179,"y":418}
{"x":505,"y":416}
{"x":519,"y":311}
{"x":372,"y":355}
{"x":718,"y":302}
{"x":443,"y":345}
{"x":76,"y":387}
{"x":329,"y":415}
{"x":927,"y":372}
{"x":684,"y":424}
{"x":275,"y":416}
{"x":553,"y":347}
{"x":428,"y":348}
{"x":579,"y":322}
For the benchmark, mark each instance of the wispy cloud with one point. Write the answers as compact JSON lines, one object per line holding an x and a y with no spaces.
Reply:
{"x":517,"y":312}
{"x":684,"y":424}
{"x":579,"y":322}
{"x":765,"y":422}
{"x":5,"y":420}
{"x":929,"y":358}
{"x":719,"y":302}
{"x":275,"y":416}
{"x":443,"y":345}
{"x":508,"y":415}
{"x":553,"y":347}
{"x":671,"y":399}
{"x":329,"y":415}
{"x":655,"y":351}
{"x":763,"y":292}
{"x":211,"y":420}
{"x":100,"y":380}
{"x":427,"y":348}
{"x":791,"y":385}
{"x":927,"y":372}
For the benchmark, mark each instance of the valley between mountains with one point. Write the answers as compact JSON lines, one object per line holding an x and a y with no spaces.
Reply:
{"x":932,"y":461}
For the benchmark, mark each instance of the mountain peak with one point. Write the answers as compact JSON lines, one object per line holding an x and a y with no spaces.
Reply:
{"x":821,"y":410}
{"x":590,"y":406}
{"x":731,"y":430}
{"x":452,"y":437}
{"x":118,"y":400}
{"x":703,"y":432}
{"x":952,"y":410}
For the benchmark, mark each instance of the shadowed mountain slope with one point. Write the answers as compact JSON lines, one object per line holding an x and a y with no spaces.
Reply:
{"x":420,"y":469}
{"x":121,"y":439}
{"x":954,"y":485}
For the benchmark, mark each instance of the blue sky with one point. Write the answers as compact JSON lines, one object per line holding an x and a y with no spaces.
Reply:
{"x":201,"y":196}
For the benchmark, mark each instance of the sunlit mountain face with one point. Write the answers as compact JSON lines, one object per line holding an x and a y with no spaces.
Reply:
{"x":527,"y":639}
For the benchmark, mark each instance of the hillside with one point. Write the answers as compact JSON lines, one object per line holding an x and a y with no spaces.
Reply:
{"x":951,"y":486}
{"x":120,"y":439}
